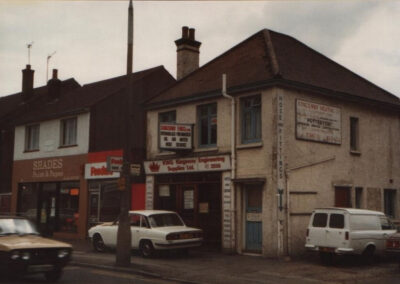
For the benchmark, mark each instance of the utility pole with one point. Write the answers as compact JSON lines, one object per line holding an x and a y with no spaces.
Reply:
{"x":123,"y":257}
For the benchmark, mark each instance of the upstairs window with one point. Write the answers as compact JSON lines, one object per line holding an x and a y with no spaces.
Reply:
{"x":68,"y":132}
{"x":169,"y":116}
{"x":354,"y":134}
{"x":32,"y":137}
{"x":207,"y":125}
{"x":390,"y":202}
{"x":251,"y":119}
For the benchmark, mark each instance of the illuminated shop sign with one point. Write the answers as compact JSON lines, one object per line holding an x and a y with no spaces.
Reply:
{"x":318,"y":122}
{"x":186,"y":165}
{"x":174,"y":136}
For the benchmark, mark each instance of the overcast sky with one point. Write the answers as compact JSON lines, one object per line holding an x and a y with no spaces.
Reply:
{"x":90,"y":37}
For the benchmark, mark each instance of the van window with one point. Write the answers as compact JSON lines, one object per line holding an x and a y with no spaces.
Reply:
{"x":364,"y":222}
{"x":386,"y":224}
{"x":336,"y":221}
{"x":320,"y":220}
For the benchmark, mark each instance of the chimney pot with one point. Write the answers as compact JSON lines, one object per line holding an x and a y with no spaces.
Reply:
{"x":185,"y":32}
{"x":191,"y":33}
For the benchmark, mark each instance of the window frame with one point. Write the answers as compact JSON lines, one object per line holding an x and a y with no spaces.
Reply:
{"x":209,"y":116}
{"x":63,"y":136}
{"x":254,"y":110}
{"x":354,"y":134}
{"x":171,"y":113}
{"x":28,"y":137}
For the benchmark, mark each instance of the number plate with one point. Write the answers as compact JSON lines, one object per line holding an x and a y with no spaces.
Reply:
{"x":325,"y":249}
{"x":40,"y":268}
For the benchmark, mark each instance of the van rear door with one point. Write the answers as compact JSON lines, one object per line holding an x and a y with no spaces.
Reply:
{"x":335,"y":233}
{"x":317,"y":229}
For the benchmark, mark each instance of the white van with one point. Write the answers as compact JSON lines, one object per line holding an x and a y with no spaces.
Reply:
{"x":348,"y":231}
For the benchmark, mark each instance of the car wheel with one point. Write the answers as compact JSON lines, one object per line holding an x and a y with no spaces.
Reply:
{"x":53,"y":276}
{"x":146,"y":248}
{"x":98,"y":243}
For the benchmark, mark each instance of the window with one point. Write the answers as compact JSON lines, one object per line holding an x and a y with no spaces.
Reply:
{"x":354,"y":134}
{"x":389,"y":202}
{"x":32,"y":137}
{"x":251,"y":119}
{"x":69,"y":206}
{"x":207,"y":125}
{"x":320,"y":220}
{"x":135,"y":220}
{"x":386,"y":224}
{"x":336,"y":221}
{"x":358,"y":197}
{"x":169,"y":116}
{"x":68,"y":131}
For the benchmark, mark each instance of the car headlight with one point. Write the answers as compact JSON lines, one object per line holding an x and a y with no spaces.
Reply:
{"x":62,"y":253}
{"x":26,"y":255}
{"x":14,"y":255}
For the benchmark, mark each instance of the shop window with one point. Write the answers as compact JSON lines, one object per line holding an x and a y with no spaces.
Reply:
{"x":251,"y":119}
{"x":68,"y":132}
{"x":358,"y":197}
{"x":354,"y":134}
{"x":390,"y":202}
{"x":28,"y":201}
{"x":69,"y":206}
{"x":110,"y":202}
{"x":207,"y":125}
{"x":169,"y":116}
{"x":32,"y":137}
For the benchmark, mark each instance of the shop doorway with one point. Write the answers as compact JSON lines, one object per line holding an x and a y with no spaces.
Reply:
{"x":94,"y":205}
{"x":48,"y":214}
{"x":253,"y":217}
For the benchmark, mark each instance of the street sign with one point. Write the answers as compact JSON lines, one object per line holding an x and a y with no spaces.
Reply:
{"x":114,"y":164}
{"x":135,"y":169}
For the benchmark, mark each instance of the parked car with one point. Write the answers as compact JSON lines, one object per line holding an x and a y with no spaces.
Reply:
{"x":340,"y":231}
{"x":393,"y":246}
{"x":24,"y":251}
{"x":151,"y":230}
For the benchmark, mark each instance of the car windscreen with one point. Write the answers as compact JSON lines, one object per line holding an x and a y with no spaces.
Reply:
{"x":16,"y":226}
{"x":165,"y":220}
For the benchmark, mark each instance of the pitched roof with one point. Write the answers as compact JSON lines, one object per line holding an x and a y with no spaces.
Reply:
{"x":268,"y":56}
{"x":81,"y":99}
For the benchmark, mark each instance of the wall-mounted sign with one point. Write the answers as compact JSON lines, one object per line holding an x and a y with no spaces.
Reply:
{"x":99,"y":171}
{"x":136,"y":169}
{"x":195,"y":164}
{"x":174,"y":136}
{"x":318,"y":122}
{"x":163,"y":190}
{"x":114,"y":164}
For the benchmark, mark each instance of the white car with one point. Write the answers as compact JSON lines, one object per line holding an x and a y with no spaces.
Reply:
{"x":150,"y":230}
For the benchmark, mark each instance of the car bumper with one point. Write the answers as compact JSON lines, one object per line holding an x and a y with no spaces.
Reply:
{"x":177,"y":245}
{"x":21,"y":267}
{"x":310,"y":247}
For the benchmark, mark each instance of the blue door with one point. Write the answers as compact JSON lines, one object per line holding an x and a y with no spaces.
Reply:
{"x":253,"y":197}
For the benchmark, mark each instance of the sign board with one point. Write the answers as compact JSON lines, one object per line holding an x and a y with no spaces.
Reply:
{"x":186,"y":165}
{"x":174,"y":136}
{"x":316,"y":122}
{"x":99,"y":171}
{"x":114,"y":164}
{"x":136,"y":169}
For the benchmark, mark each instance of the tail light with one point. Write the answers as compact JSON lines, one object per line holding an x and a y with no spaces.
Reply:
{"x":308,"y":231}
{"x":346,"y":236}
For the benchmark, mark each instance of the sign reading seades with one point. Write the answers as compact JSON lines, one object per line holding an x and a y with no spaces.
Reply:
{"x":175,"y":136}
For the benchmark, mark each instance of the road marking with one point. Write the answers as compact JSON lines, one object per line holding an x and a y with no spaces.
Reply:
{"x":129,"y":276}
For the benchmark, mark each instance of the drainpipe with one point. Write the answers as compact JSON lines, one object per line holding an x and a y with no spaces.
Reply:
{"x":233,"y":157}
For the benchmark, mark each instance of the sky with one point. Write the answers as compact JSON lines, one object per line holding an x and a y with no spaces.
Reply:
{"x":89,"y":38}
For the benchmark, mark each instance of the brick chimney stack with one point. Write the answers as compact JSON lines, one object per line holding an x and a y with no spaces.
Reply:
{"x":54,"y":86}
{"x":188,"y":53}
{"x":27,"y":82}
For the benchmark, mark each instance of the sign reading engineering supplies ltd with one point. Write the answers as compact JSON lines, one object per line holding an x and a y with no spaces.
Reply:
{"x":318,"y":122}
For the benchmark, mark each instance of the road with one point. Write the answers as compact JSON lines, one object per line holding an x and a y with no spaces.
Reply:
{"x":78,"y":275}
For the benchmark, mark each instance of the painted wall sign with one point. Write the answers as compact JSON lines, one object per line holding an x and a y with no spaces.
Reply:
{"x":99,"y":171}
{"x":195,"y":164}
{"x":174,"y":136}
{"x":228,"y":209}
{"x":316,"y":122}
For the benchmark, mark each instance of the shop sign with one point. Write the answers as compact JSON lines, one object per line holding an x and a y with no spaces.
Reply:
{"x":114,"y":164}
{"x":52,"y":168}
{"x":99,"y":171}
{"x":316,"y":122}
{"x":136,"y":169}
{"x":174,"y":136}
{"x":187,"y":165}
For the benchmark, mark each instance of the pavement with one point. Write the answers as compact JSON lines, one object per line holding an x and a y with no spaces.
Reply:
{"x":204,"y":266}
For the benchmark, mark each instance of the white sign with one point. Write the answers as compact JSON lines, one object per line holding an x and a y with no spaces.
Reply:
{"x":99,"y":171}
{"x":175,"y":136}
{"x":114,"y":164}
{"x":318,"y":122}
{"x":195,"y":164}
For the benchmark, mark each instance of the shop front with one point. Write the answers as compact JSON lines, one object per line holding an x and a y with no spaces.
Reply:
{"x":52,"y":193}
{"x":199,"y":189}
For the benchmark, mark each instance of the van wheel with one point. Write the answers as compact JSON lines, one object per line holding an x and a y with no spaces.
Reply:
{"x":368,"y":254}
{"x":326,"y":258}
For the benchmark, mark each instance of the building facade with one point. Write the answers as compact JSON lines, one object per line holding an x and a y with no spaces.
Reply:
{"x":295,"y":130}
